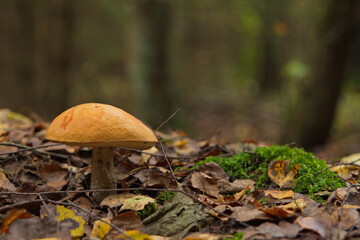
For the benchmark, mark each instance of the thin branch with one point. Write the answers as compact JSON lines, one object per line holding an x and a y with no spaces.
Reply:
{"x":339,"y":164}
{"x":168,"y":119}
{"x":168,"y":162}
{"x":36,"y":149}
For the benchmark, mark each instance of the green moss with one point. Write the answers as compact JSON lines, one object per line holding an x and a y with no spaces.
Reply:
{"x":235,"y":236}
{"x":165,"y":196}
{"x":149,"y":209}
{"x":255,"y":165}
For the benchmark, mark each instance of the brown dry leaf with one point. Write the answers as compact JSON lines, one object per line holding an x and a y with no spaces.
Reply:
{"x":238,"y":196}
{"x":205,"y":184}
{"x":284,"y":229}
{"x":213,"y":170}
{"x":54,"y":174}
{"x":155,"y":177}
{"x":127,"y":221}
{"x":227,"y":187}
{"x":11,"y":216}
{"x":244,"y":214}
{"x":279,"y":173}
{"x":349,"y":217}
{"x":338,"y":196}
{"x":35,"y":228}
{"x":128,"y":201}
{"x":345,"y":171}
{"x":222,"y":209}
{"x":278,"y":212}
{"x":279,"y":194}
{"x":5,"y":183}
{"x":316,"y":224}
{"x":6,"y":149}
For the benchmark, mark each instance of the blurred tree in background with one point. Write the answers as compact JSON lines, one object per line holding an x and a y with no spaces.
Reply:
{"x":271,"y":70}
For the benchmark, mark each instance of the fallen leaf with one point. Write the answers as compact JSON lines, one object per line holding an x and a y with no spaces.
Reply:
{"x":54,"y":175}
{"x":244,"y":214}
{"x":135,"y":235}
{"x":145,"y":157}
{"x":5,"y":183}
{"x":205,"y":183}
{"x":35,"y":228}
{"x":227,"y":187}
{"x":46,"y":239}
{"x":213,"y":170}
{"x":296,"y":205}
{"x":345,"y":171}
{"x":319,"y":225}
{"x":279,"y":173}
{"x":68,"y":218}
{"x":278,"y":212}
{"x":127,"y":221}
{"x":353,"y":159}
{"x":128,"y":201}
{"x":279,"y":194}
{"x":240,"y":194}
{"x":204,"y":236}
{"x":100,"y":228}
{"x":11,"y":216}
{"x":284,"y":229}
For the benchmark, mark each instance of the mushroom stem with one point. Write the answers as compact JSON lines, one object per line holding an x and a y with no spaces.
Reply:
{"x":102,"y":172}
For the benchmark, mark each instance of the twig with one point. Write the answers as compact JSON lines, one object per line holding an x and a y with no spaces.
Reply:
{"x":168,"y":119}
{"x":168,"y":162}
{"x":181,"y":157}
{"x":20,"y":204}
{"x":36,"y":149}
{"x":337,"y":164}
{"x":45,"y":206}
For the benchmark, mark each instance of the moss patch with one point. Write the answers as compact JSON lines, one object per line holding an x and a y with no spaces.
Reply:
{"x":254,"y":166}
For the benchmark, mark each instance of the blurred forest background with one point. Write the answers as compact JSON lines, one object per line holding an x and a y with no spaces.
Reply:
{"x":279,"y":71}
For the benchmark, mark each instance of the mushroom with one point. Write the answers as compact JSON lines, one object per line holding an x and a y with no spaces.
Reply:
{"x":101,"y":127}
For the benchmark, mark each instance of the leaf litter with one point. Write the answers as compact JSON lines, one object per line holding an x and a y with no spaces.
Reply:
{"x":206,"y":205}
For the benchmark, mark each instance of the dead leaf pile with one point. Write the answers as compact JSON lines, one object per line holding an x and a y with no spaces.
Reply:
{"x":214,"y":207}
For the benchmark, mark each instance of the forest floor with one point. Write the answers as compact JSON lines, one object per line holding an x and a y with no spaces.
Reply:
{"x":45,"y":192}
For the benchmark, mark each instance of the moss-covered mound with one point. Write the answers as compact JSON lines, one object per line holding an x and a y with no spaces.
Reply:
{"x":254,"y":166}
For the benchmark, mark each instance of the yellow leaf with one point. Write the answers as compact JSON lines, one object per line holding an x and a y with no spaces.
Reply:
{"x":100,"y":228}
{"x":67,"y":216}
{"x":279,"y":194}
{"x":240,"y":194}
{"x":279,"y":173}
{"x":135,"y":235}
{"x":296,"y":205}
{"x":343,"y":171}
{"x":145,"y":157}
{"x":46,"y":239}
{"x":180,"y":143}
{"x":353,"y":159}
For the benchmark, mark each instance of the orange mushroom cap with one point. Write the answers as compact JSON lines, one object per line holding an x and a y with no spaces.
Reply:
{"x":100,"y":125}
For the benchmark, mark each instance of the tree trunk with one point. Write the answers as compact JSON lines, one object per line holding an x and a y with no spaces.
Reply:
{"x":322,"y":93}
{"x":150,"y":63}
